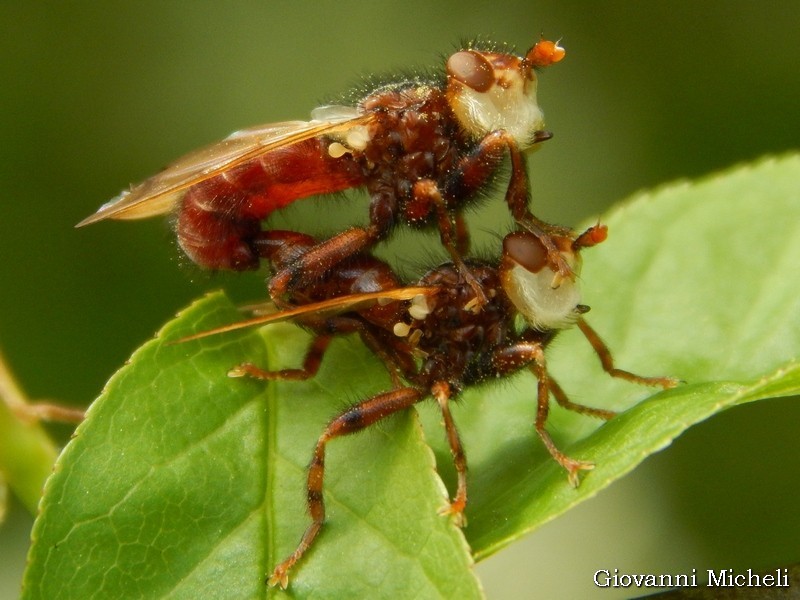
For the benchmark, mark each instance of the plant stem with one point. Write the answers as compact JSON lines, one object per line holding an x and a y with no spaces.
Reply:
{"x":27,"y":453}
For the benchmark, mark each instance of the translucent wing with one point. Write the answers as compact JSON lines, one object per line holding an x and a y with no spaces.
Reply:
{"x":322,"y":309}
{"x":158,"y":194}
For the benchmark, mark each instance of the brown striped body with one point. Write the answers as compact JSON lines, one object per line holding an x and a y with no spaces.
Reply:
{"x":439,"y":345}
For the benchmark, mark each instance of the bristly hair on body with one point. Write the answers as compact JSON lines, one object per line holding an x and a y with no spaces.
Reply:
{"x":405,"y":77}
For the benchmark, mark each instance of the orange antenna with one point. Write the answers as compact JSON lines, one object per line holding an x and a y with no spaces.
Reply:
{"x":545,"y":53}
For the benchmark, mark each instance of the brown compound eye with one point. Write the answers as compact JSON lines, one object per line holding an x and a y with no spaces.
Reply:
{"x":526,"y":250}
{"x":472,"y":69}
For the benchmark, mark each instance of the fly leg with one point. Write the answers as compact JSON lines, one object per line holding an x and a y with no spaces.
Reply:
{"x":462,"y":242}
{"x":396,"y":364}
{"x":476,"y":170}
{"x":281,"y":247}
{"x":518,"y":199}
{"x":573,"y":466}
{"x":565,"y":402}
{"x":311,"y":364}
{"x":314,"y":263}
{"x":607,"y":361}
{"x":452,"y":235}
{"x":354,"y":419}
{"x":441,"y":391}
{"x":511,"y":358}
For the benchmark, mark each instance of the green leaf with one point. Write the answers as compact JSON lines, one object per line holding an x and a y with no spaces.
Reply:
{"x":26,"y":458}
{"x":184,"y":483}
{"x":3,"y":499}
{"x":697,"y":281}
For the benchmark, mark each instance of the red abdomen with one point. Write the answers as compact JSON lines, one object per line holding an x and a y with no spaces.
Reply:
{"x":220,"y":218}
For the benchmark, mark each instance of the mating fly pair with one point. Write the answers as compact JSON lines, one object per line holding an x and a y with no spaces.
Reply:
{"x":423,"y":149}
{"x":433,"y":344}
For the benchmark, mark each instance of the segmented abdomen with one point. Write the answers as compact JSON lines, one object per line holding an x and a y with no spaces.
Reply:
{"x":219,"y":218}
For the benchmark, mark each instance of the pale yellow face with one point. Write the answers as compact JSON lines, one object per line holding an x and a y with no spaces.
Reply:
{"x":546,"y":301}
{"x":490,"y":92}
{"x":541,"y":305}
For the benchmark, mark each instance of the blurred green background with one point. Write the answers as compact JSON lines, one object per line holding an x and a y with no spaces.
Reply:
{"x":95,"y":96}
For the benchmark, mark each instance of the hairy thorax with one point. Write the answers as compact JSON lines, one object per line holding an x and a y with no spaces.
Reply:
{"x":414,"y":142}
{"x":454,"y":339}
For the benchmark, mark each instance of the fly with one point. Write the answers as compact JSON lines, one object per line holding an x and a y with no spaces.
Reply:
{"x":421,"y":148}
{"x":433,"y":345}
